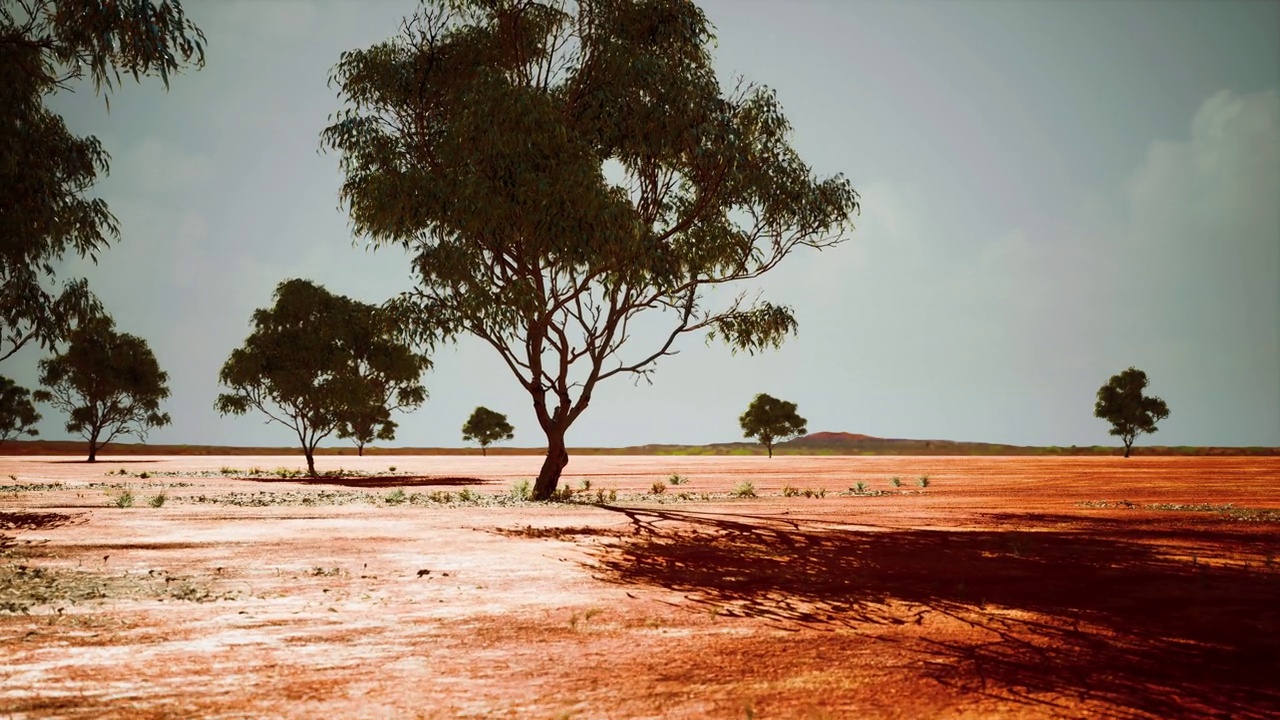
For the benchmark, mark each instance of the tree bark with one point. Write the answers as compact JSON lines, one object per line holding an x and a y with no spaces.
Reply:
{"x":557,"y":459}
{"x":93,"y":447}
{"x":360,"y":450}
{"x":1128,"y":444}
{"x":484,"y":452}
{"x":311,"y":461}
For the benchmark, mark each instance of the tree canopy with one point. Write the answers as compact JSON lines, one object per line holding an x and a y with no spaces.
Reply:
{"x":108,"y":384}
{"x":45,"y":170}
{"x":487,"y":427}
{"x":1130,"y":412}
{"x":770,"y":420}
{"x":323,"y":364}
{"x":18,"y":416}
{"x":559,"y":169}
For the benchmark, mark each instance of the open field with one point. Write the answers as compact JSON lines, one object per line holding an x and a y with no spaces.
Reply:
{"x":1007,"y":588}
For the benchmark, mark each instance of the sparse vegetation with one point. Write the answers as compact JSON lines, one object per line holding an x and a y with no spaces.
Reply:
{"x":521,"y":489}
{"x":859,"y":488}
{"x":744,"y":489}
{"x":396,"y":497}
{"x":923,"y":481}
{"x":122,"y":499}
{"x":657,"y":488}
{"x":895,"y":481}
{"x":1226,"y":510}
{"x":677,"y":479}
{"x":31,"y":487}
{"x":158,"y":499}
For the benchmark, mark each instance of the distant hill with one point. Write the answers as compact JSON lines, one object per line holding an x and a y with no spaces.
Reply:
{"x":818,"y":443}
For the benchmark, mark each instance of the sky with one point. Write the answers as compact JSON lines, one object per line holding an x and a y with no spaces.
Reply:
{"x":1051,"y":192}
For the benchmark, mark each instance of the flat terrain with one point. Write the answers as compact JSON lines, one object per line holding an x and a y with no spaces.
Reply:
{"x":1007,"y":588}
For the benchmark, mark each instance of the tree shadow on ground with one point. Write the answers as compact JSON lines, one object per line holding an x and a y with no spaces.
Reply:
{"x":387,"y":481}
{"x":1087,"y":613}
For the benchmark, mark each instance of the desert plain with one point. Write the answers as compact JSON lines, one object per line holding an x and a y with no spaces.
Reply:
{"x":1006,"y":587}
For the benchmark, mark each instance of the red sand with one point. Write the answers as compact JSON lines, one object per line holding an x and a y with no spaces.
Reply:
{"x":990,"y":594}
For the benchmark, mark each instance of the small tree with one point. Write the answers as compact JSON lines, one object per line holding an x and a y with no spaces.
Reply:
{"x":769,"y":420}
{"x":17,"y":415}
{"x":323,"y":364}
{"x":108,"y":383}
{"x":1121,"y":403}
{"x":486,"y":427}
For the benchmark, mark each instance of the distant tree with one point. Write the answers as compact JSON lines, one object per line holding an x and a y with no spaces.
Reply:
{"x":17,"y":415}
{"x":107,"y":383}
{"x":770,"y":420}
{"x":486,"y":427}
{"x":561,"y":169}
{"x":323,"y":364}
{"x":1121,"y":403}
{"x":45,"y":170}
{"x":371,"y":423}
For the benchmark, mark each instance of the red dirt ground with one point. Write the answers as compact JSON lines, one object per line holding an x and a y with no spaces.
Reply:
{"x":1007,"y":588}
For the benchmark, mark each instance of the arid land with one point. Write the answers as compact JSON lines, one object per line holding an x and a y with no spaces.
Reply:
{"x":1008,"y":587}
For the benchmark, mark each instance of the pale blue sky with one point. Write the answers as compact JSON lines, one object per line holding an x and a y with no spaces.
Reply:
{"x":1052,"y":192}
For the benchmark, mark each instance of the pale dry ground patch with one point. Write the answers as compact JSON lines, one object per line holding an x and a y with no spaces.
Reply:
{"x":1007,"y":588}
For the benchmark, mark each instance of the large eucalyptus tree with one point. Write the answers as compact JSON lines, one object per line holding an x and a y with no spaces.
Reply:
{"x":560,"y":168}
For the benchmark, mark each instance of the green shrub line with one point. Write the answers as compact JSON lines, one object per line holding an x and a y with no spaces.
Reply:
{"x":1227,"y":510}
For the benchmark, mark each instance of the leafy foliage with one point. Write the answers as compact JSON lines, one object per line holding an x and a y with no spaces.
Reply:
{"x":45,"y":170}
{"x":17,"y":415}
{"x":486,"y":427}
{"x":769,"y":420}
{"x":107,"y":383}
{"x":561,"y":168}
{"x":1121,"y":403}
{"x":321,"y":364}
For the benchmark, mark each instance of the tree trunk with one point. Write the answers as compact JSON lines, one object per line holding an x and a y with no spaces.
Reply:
{"x":769,"y":446}
{"x":557,"y":458}
{"x":93,"y":447}
{"x":484,"y":452}
{"x":1127,"y":445}
{"x":311,"y":461}
{"x":360,"y":450}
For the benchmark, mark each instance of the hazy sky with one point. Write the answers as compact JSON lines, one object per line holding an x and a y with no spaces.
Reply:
{"x":1052,"y":192}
